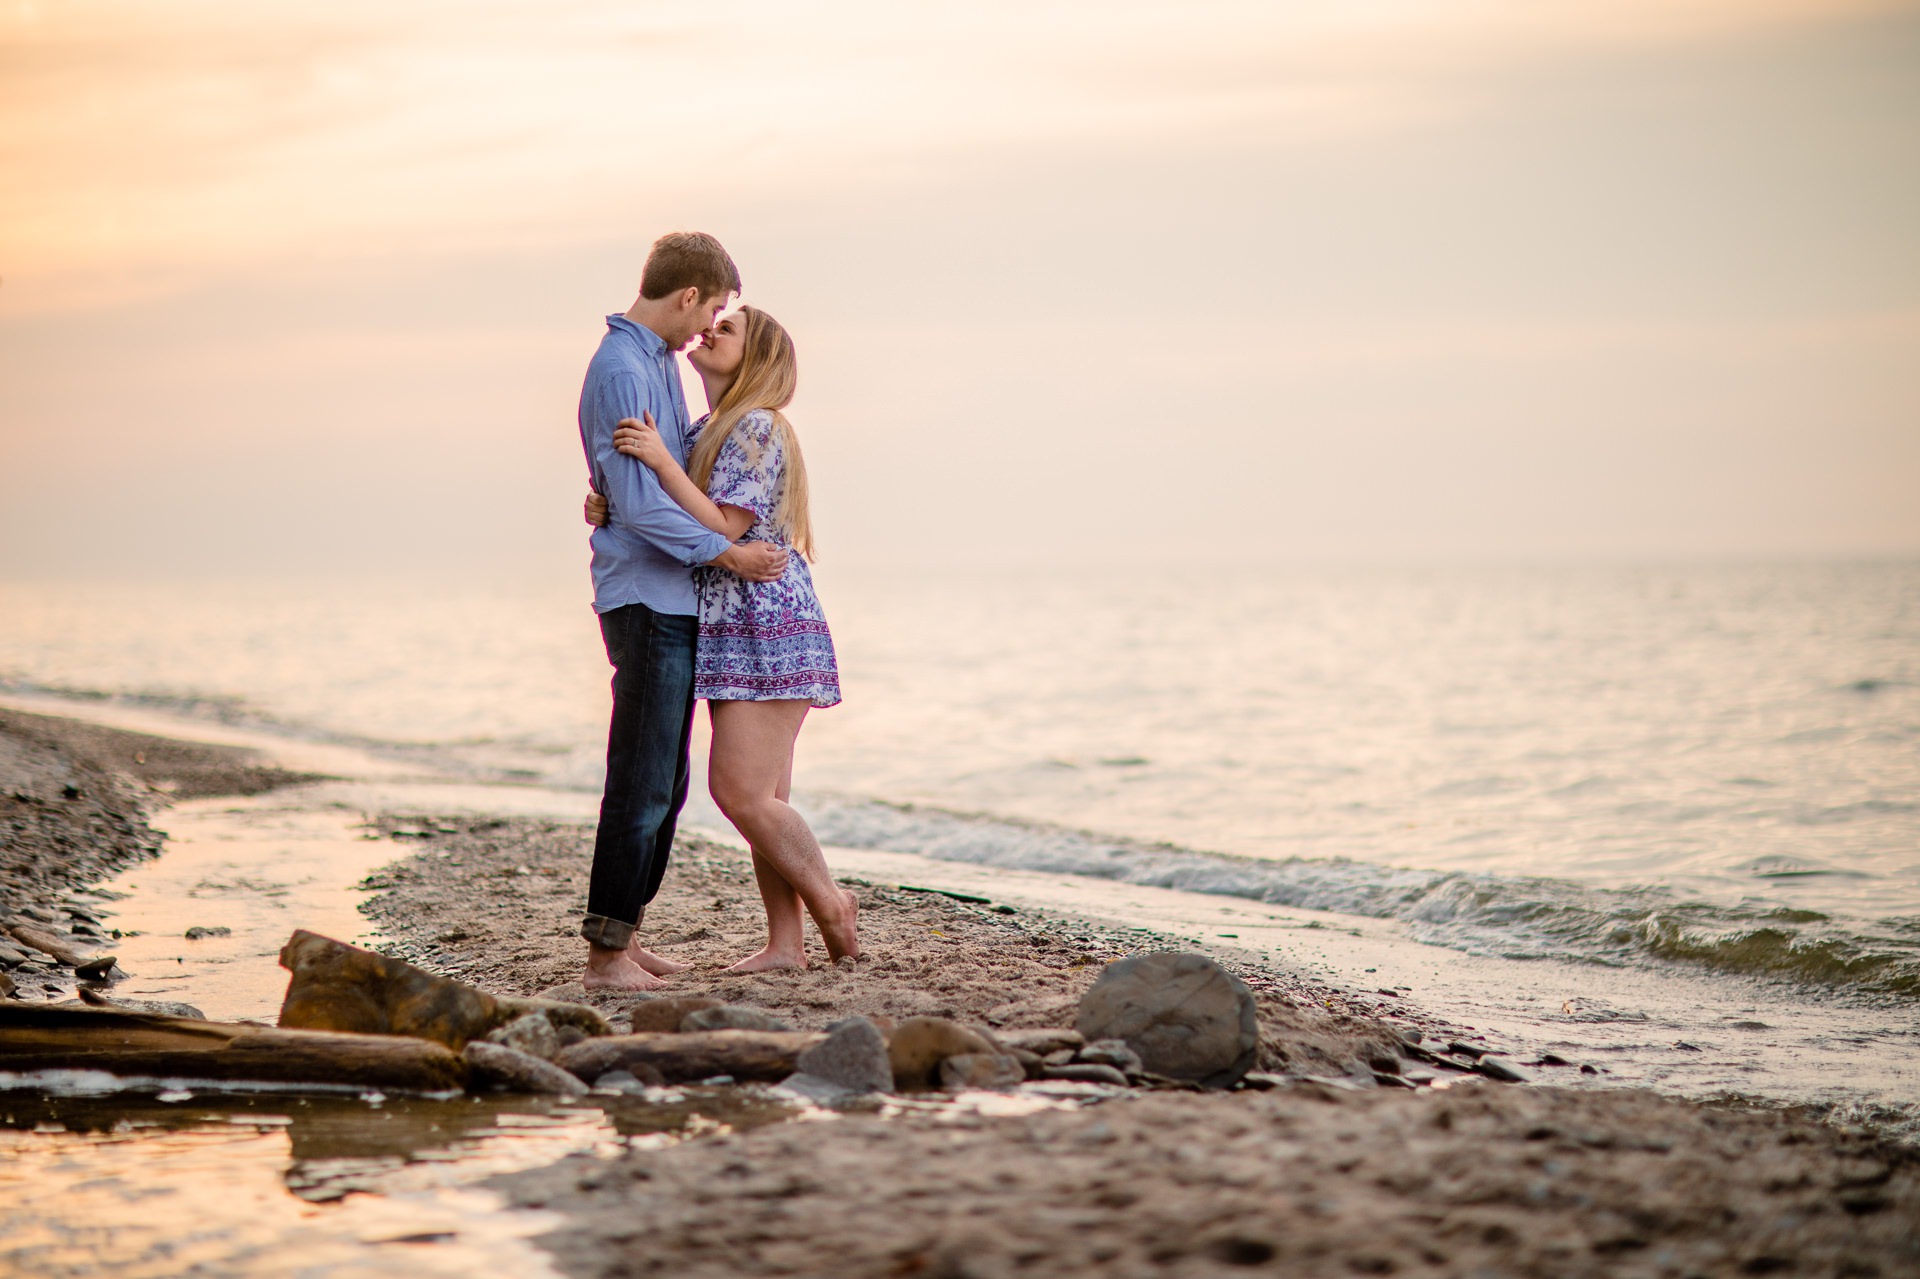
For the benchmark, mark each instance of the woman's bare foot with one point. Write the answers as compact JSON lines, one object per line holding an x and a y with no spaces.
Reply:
{"x":658,"y":965}
{"x":842,"y":935}
{"x":612,"y":970}
{"x":769,"y":960}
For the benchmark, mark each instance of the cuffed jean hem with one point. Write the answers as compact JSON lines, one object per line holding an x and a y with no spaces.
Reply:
{"x":610,"y":933}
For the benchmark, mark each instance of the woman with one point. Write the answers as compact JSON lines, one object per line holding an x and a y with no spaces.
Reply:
{"x":765,"y":656}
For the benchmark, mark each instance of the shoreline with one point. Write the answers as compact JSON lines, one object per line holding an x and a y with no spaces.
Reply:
{"x":1337,"y":1170}
{"x":1333,"y":1172}
{"x":76,"y":806}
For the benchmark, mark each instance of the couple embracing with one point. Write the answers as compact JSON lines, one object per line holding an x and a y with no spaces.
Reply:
{"x":700,"y":581}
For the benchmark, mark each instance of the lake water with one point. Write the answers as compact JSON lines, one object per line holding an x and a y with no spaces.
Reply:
{"x":1715,"y":767}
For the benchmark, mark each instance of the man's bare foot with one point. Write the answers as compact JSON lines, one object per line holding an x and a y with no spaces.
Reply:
{"x":617,"y":972}
{"x":658,"y":965}
{"x":842,"y":935}
{"x":769,"y":960}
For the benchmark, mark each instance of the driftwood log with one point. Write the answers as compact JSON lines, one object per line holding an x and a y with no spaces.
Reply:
{"x":683,"y":1058}
{"x":145,"y":1045}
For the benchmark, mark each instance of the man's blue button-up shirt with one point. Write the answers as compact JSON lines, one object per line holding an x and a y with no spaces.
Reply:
{"x":644,"y":553}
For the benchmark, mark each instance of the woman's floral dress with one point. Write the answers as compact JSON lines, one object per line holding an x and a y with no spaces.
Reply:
{"x":760,"y":641}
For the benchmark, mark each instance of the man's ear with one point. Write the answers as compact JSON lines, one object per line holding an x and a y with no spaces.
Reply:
{"x":689,"y":297}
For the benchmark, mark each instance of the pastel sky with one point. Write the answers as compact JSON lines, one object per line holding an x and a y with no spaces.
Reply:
{"x":310,"y":286}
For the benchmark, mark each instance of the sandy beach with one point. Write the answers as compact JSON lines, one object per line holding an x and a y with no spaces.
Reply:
{"x":1353,"y":1157}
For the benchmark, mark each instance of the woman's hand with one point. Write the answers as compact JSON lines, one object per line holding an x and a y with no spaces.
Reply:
{"x":595,"y":509}
{"x":641,"y":439}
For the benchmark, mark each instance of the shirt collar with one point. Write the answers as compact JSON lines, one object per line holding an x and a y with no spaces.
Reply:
{"x":650,"y":342}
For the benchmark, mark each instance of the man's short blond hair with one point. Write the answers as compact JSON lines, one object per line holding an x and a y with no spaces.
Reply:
{"x":688,"y":259}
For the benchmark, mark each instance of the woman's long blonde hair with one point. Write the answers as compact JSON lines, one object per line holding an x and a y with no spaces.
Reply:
{"x":766,"y":379}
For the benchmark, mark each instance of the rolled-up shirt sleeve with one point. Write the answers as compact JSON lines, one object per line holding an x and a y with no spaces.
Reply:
{"x":635,"y":501}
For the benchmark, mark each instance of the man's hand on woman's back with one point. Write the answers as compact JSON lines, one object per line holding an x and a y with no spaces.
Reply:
{"x":754,"y":561}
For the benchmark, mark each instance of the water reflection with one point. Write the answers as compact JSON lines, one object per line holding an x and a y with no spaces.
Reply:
{"x":162,"y":1179}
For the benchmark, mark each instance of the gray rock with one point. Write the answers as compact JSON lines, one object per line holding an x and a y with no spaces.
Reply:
{"x":1059,"y":1057}
{"x":732,"y":1017}
{"x":654,"y":1014}
{"x":506,"y":1069}
{"x":1500,"y":1068}
{"x":1029,"y":1062}
{"x":853,"y":1057}
{"x":1186,"y":1017}
{"x":569,"y":992}
{"x":1086,"y":1073}
{"x":621,"y":1081}
{"x":200,"y":931}
{"x":982,"y":1070}
{"x":1111,"y":1052}
{"x":11,"y":956}
{"x":1041,"y":1042}
{"x":815,"y":1089}
{"x":531,"y":1034}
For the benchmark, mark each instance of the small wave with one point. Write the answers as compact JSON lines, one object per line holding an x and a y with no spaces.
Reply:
{"x":1509,"y":916}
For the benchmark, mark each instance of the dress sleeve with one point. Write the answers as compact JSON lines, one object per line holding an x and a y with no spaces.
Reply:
{"x":747,"y":473}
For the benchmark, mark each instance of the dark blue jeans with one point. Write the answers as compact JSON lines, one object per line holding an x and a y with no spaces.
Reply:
{"x":652,"y":656}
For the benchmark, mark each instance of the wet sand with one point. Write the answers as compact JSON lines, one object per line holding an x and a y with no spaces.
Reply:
{"x":1311,"y":1178}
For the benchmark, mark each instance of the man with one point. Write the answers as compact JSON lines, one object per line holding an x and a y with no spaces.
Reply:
{"x":643,"y":591}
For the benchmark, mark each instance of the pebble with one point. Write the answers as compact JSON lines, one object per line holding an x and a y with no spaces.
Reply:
{"x":1043,"y":1042}
{"x":200,"y":931}
{"x":510,"y":1070}
{"x":531,"y":1034}
{"x":1085,"y":1073}
{"x":1111,"y":1052}
{"x":1498,"y":1068}
{"x":732,"y":1017}
{"x":853,"y":1057}
{"x":620,"y":1081}
{"x":921,"y":1044}
{"x":986,"y":1070}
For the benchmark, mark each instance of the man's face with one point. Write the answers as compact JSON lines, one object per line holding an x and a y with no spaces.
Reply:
{"x":700,"y":317}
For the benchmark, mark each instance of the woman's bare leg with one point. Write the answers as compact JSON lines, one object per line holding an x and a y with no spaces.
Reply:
{"x":749,"y":772}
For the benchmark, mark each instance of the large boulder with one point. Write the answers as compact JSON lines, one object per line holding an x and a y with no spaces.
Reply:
{"x":345,"y":988}
{"x":1187,"y":1017}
